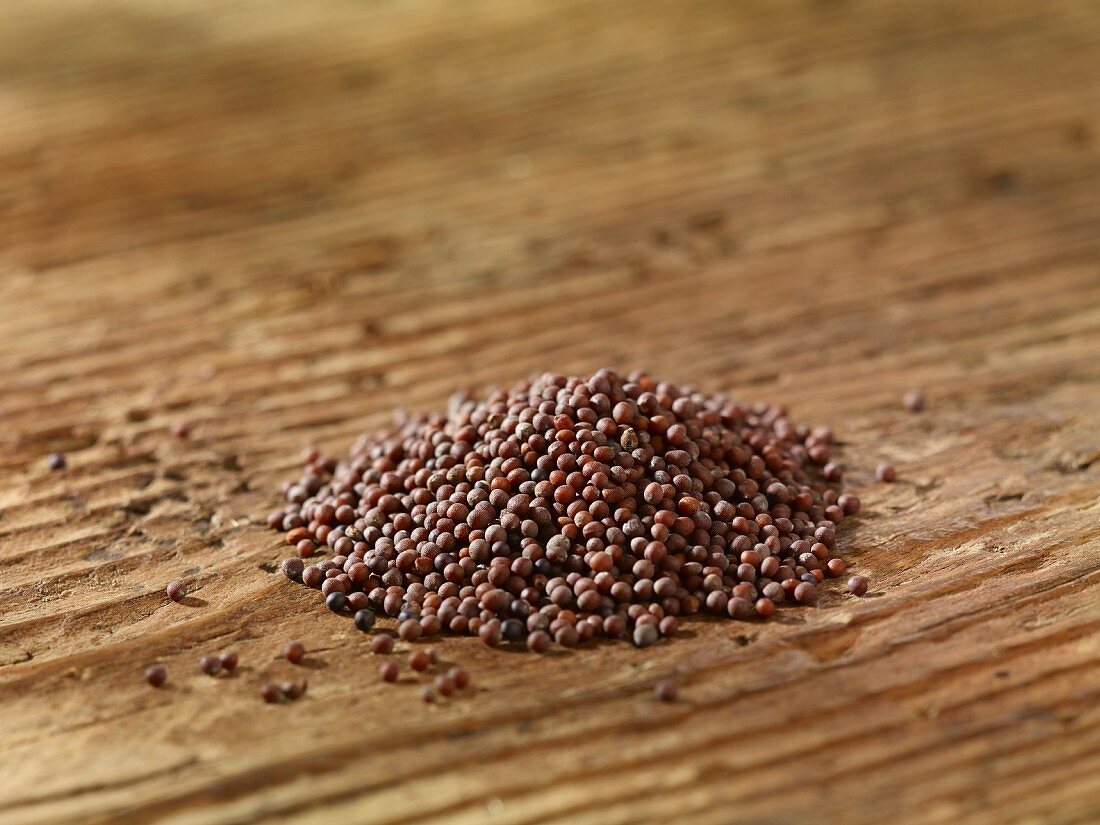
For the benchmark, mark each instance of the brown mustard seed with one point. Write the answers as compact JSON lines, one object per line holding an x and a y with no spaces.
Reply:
{"x":228,"y":660}
{"x":156,"y":675}
{"x":56,"y":461}
{"x":388,"y":671}
{"x":175,"y":591}
{"x":913,"y":400}
{"x":180,"y":429}
{"x":490,"y":632}
{"x":444,"y":686}
{"x":459,"y":677}
{"x":293,"y":690}
{"x":886,"y":473}
{"x":857,"y":585}
{"x":294,"y":652}
{"x":427,"y":695}
{"x":645,"y":635}
{"x":381,"y":644}
{"x":271,"y":693}
{"x":419,"y":660}
{"x":665,"y":691}
{"x":410,"y":630}
{"x":210,"y":665}
{"x":629,"y":439}
{"x":292,"y":568}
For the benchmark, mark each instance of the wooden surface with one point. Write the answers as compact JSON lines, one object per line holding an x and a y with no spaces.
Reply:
{"x":279,"y":221}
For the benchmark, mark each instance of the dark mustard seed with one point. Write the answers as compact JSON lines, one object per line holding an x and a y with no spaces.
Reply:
{"x":156,"y":675}
{"x":364,"y":619}
{"x":336,"y":601}
{"x":210,"y":665}
{"x":513,"y":630}
{"x":56,"y":461}
{"x":175,"y":591}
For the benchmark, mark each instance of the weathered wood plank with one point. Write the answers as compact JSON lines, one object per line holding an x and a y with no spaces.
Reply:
{"x":280,"y":222}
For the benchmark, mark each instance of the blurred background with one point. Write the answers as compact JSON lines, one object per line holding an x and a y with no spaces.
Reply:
{"x":359,"y":185}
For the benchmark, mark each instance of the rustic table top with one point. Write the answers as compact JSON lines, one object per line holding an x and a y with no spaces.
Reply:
{"x":279,"y":221}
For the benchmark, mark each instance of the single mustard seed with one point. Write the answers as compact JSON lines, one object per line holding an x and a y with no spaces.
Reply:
{"x":180,"y":429}
{"x":885,"y":473}
{"x":645,"y":635}
{"x":513,"y":630}
{"x":857,"y":585}
{"x":410,"y":630}
{"x":629,"y":439}
{"x":489,"y":633}
{"x":427,"y":695}
{"x":388,"y":672}
{"x":765,"y":608}
{"x":156,"y":675}
{"x":665,"y":690}
{"x":56,"y":461}
{"x":419,"y":660}
{"x":293,"y":690}
{"x":805,"y":593}
{"x":913,"y":400}
{"x":175,"y":591}
{"x":271,"y":693}
{"x":444,"y":686}
{"x":294,"y":652}
{"x":228,"y":660}
{"x":336,"y":601}
{"x":459,"y":677}
{"x":364,"y":619}
{"x":382,"y":644}
{"x":292,"y":568}
{"x":210,"y":665}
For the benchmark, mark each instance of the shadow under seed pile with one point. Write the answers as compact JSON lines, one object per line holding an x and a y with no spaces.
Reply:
{"x":564,"y":509}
